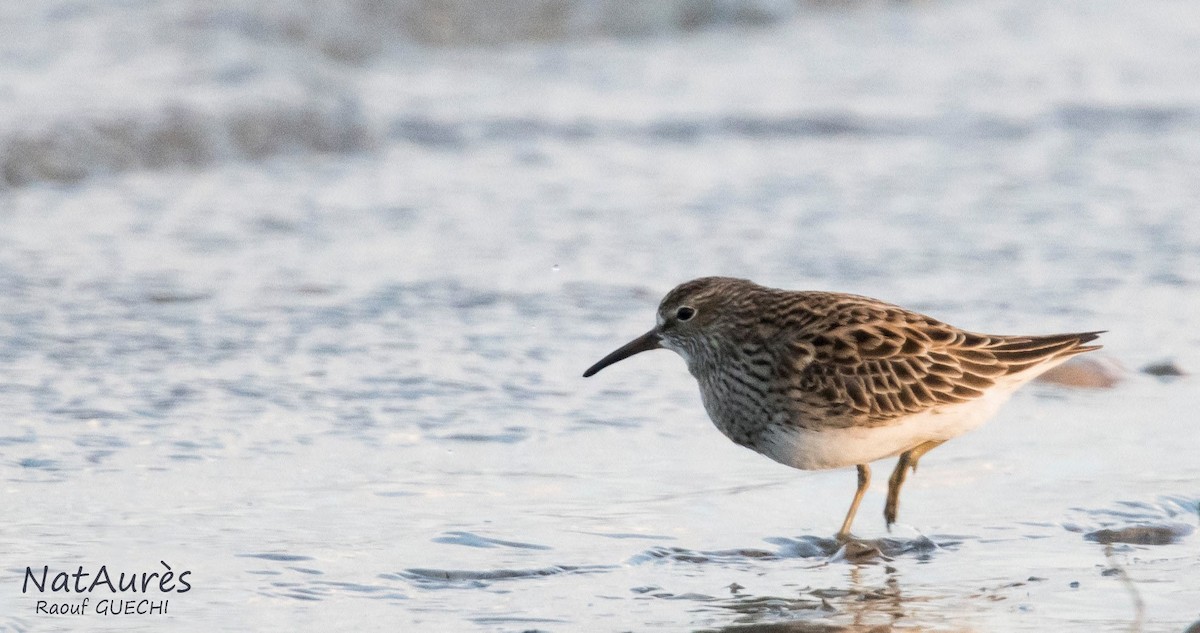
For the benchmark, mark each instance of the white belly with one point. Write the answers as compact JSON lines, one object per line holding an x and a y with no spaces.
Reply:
{"x":810,"y":449}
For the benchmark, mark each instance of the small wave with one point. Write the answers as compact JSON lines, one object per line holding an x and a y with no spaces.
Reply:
{"x":1100,"y":118}
{"x":831,"y":550}
{"x":278,"y":557}
{"x":173,"y":134}
{"x":683,"y":555}
{"x":71,"y":149}
{"x":474,"y":540}
{"x":457,"y":134}
{"x":353,"y":31}
{"x":445,"y":578}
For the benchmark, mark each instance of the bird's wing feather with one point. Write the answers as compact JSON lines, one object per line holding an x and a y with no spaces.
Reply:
{"x":867,"y":359}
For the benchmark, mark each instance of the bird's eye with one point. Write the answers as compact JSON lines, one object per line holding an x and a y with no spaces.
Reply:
{"x":685,"y":313}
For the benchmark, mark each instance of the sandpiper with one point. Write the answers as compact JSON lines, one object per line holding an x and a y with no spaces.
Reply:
{"x":818,"y":380}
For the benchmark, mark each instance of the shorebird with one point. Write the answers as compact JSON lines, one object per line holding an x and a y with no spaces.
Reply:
{"x":819,"y":380}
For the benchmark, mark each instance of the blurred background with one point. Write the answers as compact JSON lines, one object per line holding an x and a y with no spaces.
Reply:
{"x":297,"y":295}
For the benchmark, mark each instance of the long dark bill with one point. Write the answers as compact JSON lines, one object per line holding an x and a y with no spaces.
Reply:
{"x":643,"y":343}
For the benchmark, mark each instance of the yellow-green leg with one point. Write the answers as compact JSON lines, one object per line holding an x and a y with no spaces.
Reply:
{"x":864,"y":481}
{"x":908,"y":459}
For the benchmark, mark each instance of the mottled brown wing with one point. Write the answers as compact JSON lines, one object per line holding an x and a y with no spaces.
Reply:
{"x":882,"y":362}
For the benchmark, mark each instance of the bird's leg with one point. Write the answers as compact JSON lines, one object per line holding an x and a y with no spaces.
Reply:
{"x":908,"y":459}
{"x":864,"y":481}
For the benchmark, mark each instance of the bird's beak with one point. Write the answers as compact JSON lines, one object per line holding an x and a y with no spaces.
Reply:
{"x":643,"y":343}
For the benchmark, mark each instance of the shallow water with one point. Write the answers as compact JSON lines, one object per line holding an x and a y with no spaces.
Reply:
{"x":336,"y":373}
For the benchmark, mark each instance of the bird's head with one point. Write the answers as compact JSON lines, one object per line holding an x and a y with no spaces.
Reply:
{"x":688,"y":320}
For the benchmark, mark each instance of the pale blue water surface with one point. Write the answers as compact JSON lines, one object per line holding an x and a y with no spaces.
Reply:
{"x":296,"y":297}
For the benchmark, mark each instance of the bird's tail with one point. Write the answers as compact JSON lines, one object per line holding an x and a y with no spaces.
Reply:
{"x":1020,"y":353}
